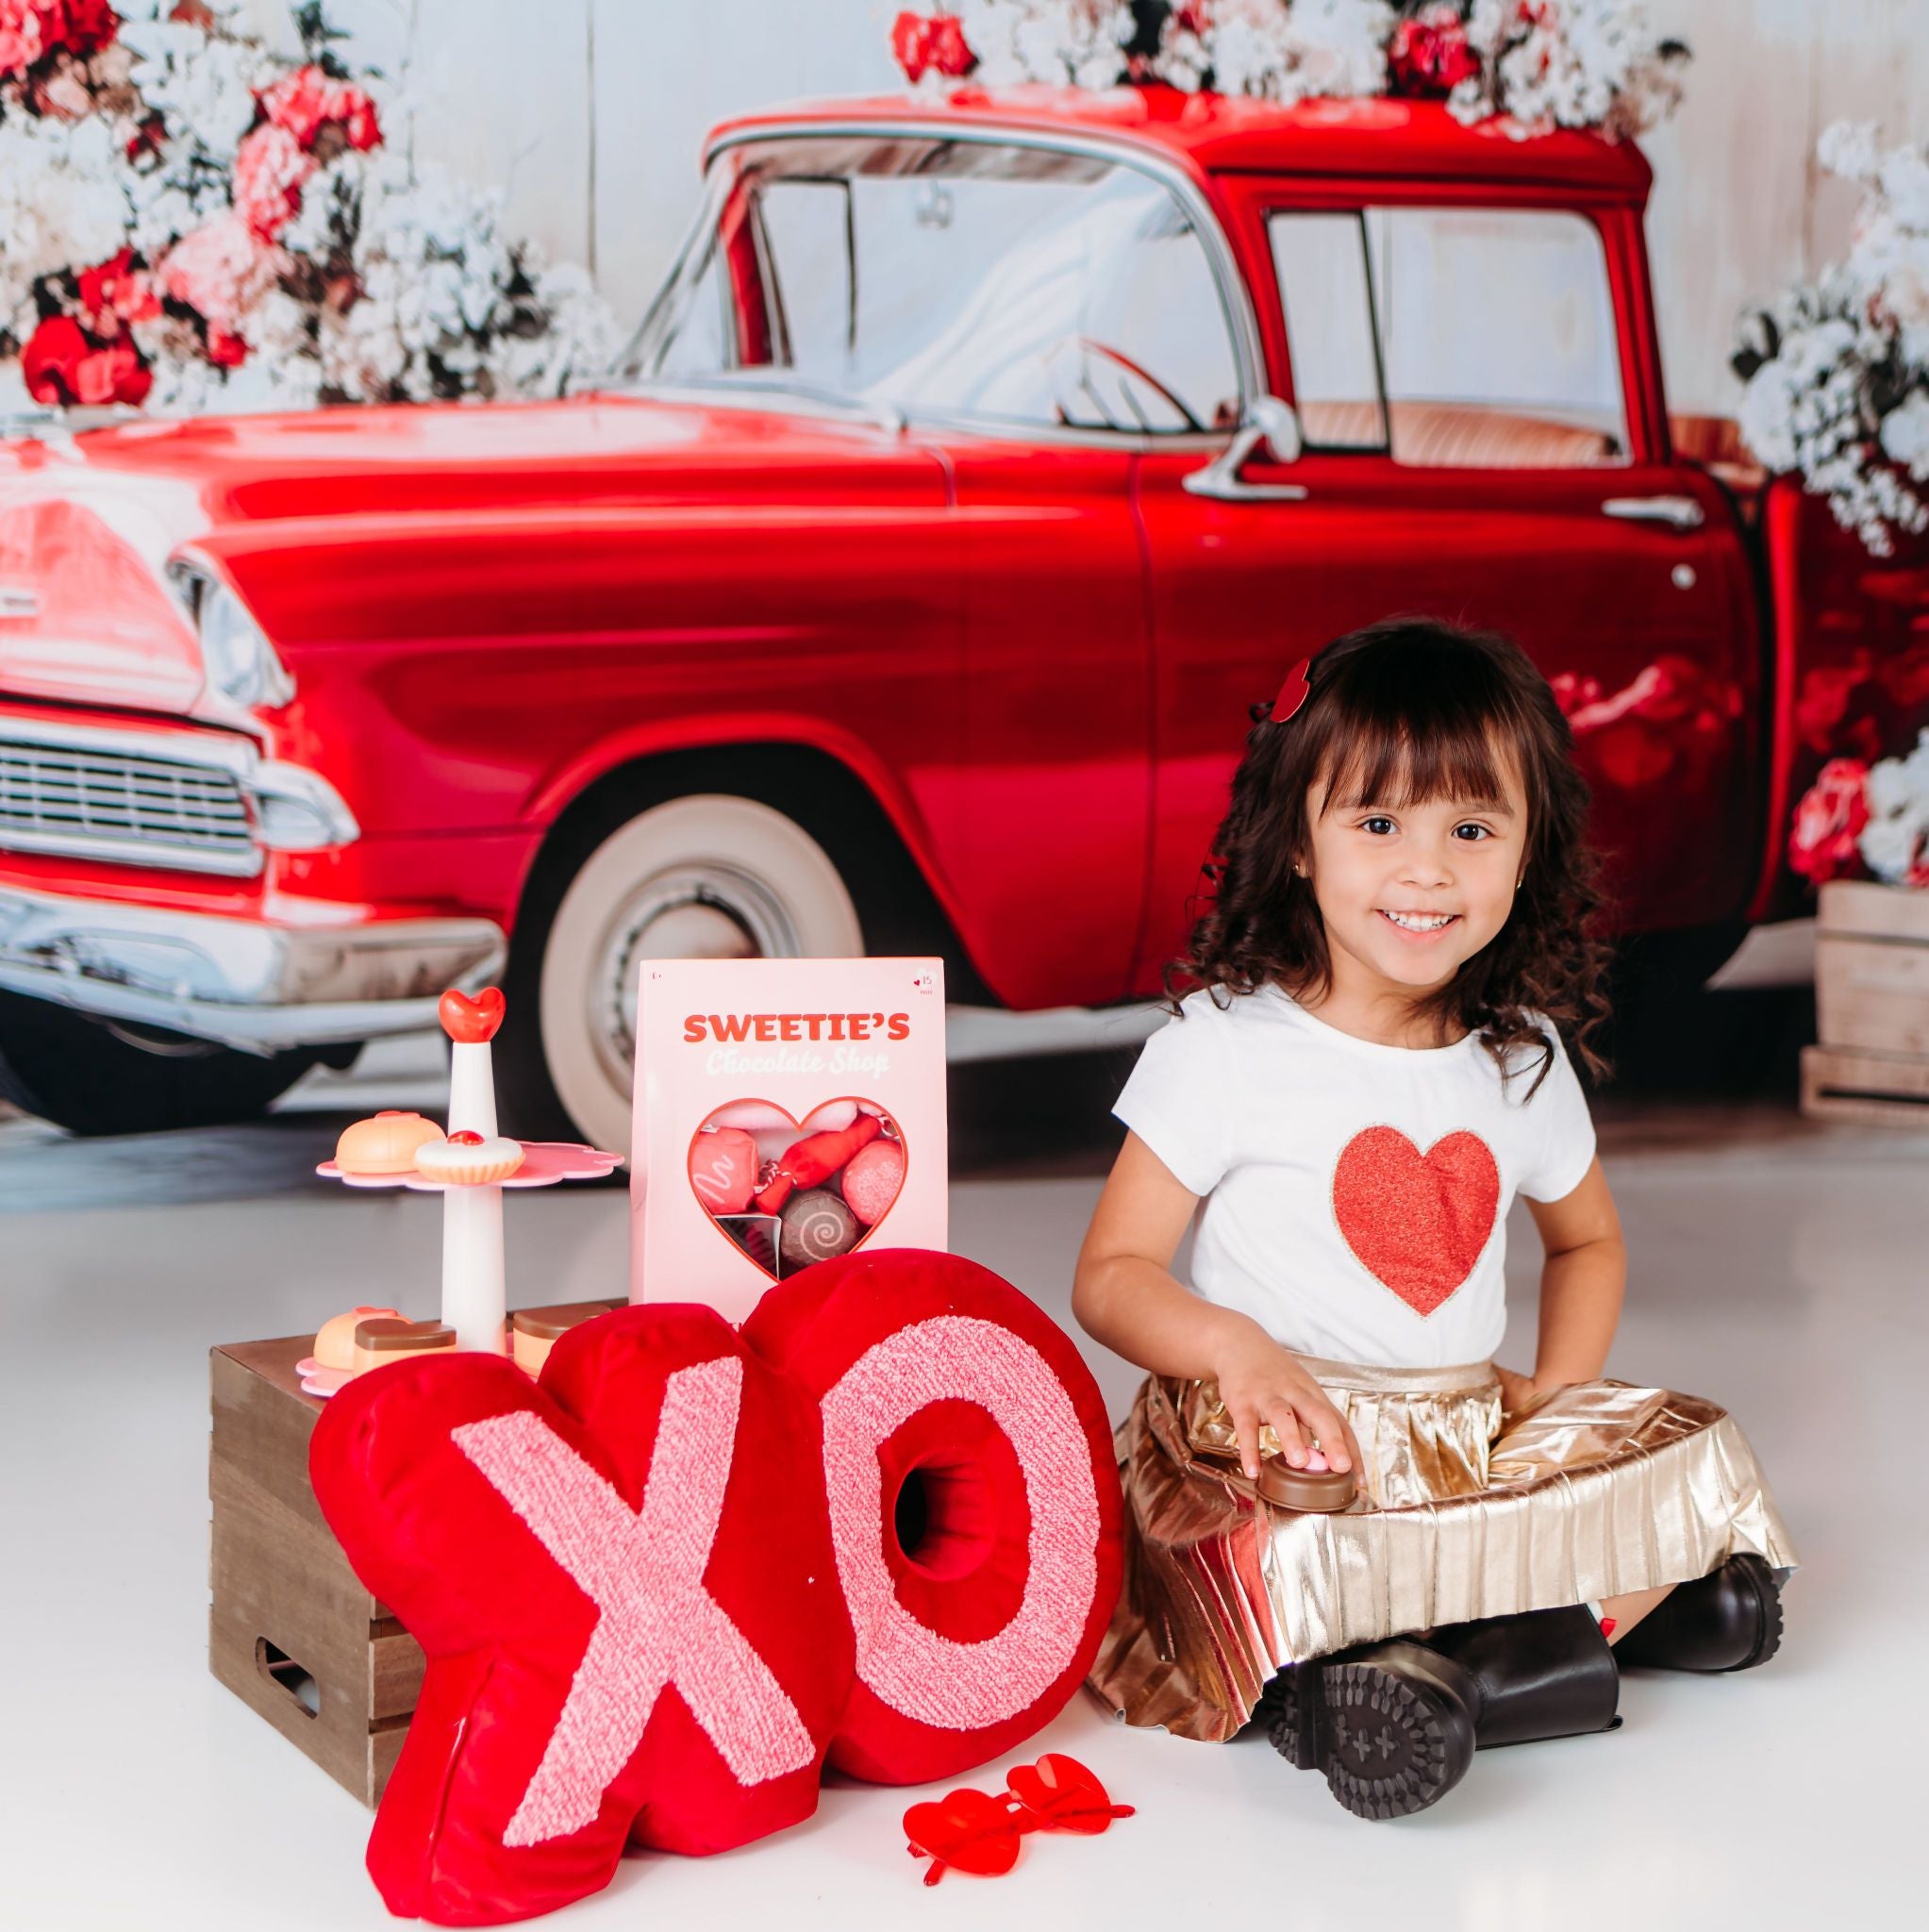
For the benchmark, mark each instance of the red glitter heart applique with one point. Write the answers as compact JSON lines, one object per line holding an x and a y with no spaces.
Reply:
{"x":966,"y":1829}
{"x":1416,"y":1221}
{"x":1061,"y":1793}
{"x":471,"y":1021}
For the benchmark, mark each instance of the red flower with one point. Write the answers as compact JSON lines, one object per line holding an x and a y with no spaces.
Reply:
{"x":63,"y":365}
{"x":32,"y":30}
{"x":934,"y":46}
{"x":225,"y":351}
{"x":1828,"y":821}
{"x":114,"y":293}
{"x":1429,"y":55}
{"x":88,"y":24}
{"x":270,"y":165}
{"x":1822,"y":702}
{"x":307,"y":100}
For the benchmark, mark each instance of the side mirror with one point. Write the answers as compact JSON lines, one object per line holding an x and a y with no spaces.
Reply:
{"x":1278,"y":424}
{"x":1267,"y":421}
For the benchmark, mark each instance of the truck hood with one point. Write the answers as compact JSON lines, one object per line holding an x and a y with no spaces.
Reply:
{"x":89,"y":522}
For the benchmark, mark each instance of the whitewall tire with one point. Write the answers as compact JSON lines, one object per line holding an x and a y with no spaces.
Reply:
{"x":708,"y":876}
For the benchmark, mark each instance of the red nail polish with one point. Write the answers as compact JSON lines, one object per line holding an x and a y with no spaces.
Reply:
{"x":1608,"y":1626}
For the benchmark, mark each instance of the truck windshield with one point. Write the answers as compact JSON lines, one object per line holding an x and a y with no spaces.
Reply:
{"x":951,"y":278}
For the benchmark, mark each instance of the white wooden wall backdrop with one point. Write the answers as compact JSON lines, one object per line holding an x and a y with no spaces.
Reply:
{"x":591,"y":113}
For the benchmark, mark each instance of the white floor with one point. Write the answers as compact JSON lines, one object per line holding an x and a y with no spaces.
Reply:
{"x":1782,"y":1270}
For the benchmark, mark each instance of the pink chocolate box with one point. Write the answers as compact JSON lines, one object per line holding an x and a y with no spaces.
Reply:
{"x":786,"y":1110}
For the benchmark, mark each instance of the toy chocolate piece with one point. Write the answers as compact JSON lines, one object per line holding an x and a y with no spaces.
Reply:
{"x":536,"y":1331}
{"x":385,"y":1339}
{"x":815,"y":1227}
{"x":724,"y":1168}
{"x":1321,"y":1488}
{"x":872,"y":1180}
{"x":815,"y":1159}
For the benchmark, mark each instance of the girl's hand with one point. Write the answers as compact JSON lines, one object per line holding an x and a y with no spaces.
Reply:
{"x":1260,"y":1382}
{"x":1517,"y":1392}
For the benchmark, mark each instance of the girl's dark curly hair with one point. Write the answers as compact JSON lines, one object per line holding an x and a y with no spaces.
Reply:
{"x":1401,"y":712}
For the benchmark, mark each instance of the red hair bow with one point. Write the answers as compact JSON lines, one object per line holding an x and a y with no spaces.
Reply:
{"x":1294,"y":692}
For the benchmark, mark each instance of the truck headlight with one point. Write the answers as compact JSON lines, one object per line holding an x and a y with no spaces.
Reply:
{"x":235,"y":652}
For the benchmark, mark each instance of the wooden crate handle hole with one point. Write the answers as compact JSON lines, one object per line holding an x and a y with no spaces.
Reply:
{"x":296,"y":1681}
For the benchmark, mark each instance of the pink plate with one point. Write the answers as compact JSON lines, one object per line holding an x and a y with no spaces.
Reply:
{"x":544,"y":1163}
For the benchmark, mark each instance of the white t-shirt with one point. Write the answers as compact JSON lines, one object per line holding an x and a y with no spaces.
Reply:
{"x":1356,"y":1195}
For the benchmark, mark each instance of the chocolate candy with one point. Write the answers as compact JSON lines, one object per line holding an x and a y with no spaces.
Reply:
{"x":816,"y":1226}
{"x":722,"y":1169}
{"x":871,"y":1178}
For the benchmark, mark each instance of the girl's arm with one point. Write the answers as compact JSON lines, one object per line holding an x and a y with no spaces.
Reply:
{"x":1125,"y":1295}
{"x":1581,"y":1285}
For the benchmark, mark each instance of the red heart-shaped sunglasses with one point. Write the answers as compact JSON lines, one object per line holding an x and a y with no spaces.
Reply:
{"x":971,"y":1832}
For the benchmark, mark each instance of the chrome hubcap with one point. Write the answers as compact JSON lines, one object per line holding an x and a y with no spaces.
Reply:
{"x":686,"y":913}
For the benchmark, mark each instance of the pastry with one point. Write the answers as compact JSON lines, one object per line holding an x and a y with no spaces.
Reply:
{"x":871,"y":1178}
{"x":387,"y":1144}
{"x":816,"y":1226}
{"x":332,"y":1364}
{"x":471,"y":1159}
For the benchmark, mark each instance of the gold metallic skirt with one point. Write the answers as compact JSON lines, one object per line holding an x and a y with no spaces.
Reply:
{"x":1599,"y":1490}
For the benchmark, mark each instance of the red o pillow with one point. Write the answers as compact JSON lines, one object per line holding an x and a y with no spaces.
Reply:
{"x":974,"y":1502}
{"x":624,"y":1582}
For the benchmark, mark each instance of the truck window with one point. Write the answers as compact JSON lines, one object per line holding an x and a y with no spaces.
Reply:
{"x":1491,"y":333}
{"x":1322,"y":263}
{"x":974,"y":279}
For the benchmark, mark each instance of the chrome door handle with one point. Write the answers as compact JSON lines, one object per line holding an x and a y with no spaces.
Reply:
{"x":1677,"y":512}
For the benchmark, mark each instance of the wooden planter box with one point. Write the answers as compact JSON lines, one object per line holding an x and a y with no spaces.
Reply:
{"x":1872,"y":1005}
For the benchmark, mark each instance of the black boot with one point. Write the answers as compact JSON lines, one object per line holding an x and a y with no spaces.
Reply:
{"x":1729,"y":1620}
{"x":1394,"y":1726}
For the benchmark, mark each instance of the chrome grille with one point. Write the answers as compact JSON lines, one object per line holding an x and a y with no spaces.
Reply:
{"x":116,"y":805}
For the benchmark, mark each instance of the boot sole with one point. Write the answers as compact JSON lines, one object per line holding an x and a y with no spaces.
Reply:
{"x":1769,"y":1594}
{"x":1389,"y":1746}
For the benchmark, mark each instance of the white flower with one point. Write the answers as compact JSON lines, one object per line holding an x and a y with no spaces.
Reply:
{"x":1889,"y":846}
{"x":1848,"y":148}
{"x":1906,"y":435}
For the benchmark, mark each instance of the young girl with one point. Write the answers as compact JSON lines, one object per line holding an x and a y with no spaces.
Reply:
{"x":1369,"y":1068}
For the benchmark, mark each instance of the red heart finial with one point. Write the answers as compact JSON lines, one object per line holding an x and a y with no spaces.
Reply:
{"x":472,"y":1020}
{"x":966,"y":1829}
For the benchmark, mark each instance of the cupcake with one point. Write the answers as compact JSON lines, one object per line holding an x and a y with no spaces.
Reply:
{"x":388,"y":1144}
{"x":471,"y":1159}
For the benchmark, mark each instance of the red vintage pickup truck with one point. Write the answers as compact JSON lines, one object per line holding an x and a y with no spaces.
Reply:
{"x":981,"y":463}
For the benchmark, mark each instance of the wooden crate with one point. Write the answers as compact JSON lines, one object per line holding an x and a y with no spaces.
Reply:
{"x":1872,"y":968}
{"x":1884,"y":1089}
{"x":290,"y":1630}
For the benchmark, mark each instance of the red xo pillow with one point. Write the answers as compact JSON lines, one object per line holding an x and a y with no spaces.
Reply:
{"x":656,"y":1588}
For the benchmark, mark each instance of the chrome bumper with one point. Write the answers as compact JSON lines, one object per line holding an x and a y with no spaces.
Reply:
{"x":259,"y":987}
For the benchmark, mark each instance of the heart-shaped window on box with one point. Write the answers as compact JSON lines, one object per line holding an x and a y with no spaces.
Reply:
{"x":789,"y":1192}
